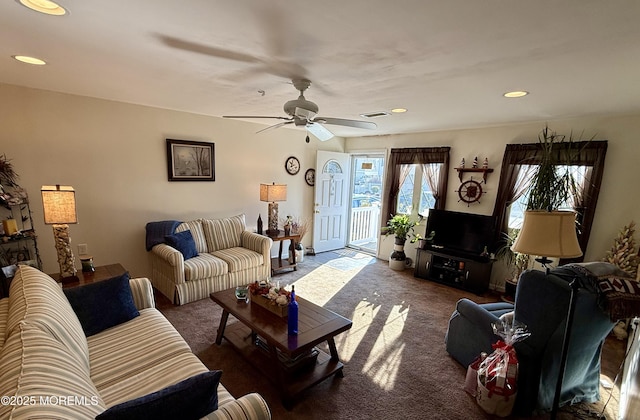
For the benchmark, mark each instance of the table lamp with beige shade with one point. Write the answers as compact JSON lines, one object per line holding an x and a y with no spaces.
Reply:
{"x":552,"y":234}
{"x":59,"y":204}
{"x":272,"y":193}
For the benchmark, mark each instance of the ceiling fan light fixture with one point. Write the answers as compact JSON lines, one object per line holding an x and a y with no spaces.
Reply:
{"x":516,"y":94}
{"x":29,"y":60}
{"x":399,"y":110}
{"x":44,"y":6}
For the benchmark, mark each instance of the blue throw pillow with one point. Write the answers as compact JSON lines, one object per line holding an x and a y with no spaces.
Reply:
{"x":183,"y":242}
{"x":192,"y":398}
{"x":103,"y":304}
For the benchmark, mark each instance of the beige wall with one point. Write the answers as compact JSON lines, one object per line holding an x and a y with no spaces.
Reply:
{"x":113,"y":154}
{"x":618,"y":204}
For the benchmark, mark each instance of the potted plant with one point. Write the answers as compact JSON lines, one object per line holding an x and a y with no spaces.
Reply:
{"x":551,"y":184}
{"x":516,"y":263}
{"x":402,"y":227}
{"x":300,"y":227}
{"x":8,"y":176}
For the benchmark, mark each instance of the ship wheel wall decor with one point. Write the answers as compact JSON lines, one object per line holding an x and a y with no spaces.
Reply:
{"x":470,"y":192}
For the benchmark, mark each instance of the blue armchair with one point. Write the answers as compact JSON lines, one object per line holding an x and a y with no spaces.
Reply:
{"x":541,"y":304}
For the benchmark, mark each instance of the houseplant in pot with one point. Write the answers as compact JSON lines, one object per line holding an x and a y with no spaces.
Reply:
{"x":515,"y":262}
{"x":402,"y":227}
{"x":551,"y":185}
{"x":300,"y":227}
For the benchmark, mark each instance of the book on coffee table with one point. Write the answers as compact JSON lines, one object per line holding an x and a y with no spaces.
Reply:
{"x":291,"y":364}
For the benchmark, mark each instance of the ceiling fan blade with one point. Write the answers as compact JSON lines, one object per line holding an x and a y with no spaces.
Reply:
{"x":274,"y":126}
{"x":348,"y":123}
{"x":280,"y":68}
{"x":257,"y":116}
{"x":319,"y":131}
{"x":207,"y":49}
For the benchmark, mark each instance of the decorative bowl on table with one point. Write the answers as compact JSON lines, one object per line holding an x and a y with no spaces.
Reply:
{"x":242,"y":292}
{"x":271,"y":297}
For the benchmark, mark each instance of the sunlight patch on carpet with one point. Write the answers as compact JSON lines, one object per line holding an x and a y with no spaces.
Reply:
{"x":362,"y":317}
{"x":384,"y":359}
{"x":350,"y":263}
{"x":321,"y":284}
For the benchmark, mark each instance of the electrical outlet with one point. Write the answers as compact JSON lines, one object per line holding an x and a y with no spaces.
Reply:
{"x":82,"y":249}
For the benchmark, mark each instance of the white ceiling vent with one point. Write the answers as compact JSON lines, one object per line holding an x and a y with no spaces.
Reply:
{"x":375,"y":114}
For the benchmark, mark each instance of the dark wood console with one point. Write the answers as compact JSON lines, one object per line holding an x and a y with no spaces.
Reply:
{"x":472,"y":274}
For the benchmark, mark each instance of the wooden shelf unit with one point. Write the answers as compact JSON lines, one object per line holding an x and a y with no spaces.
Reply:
{"x":483,"y":171}
{"x":472,"y":274}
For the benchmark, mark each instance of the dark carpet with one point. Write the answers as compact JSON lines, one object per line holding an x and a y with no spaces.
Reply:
{"x":395,"y":361}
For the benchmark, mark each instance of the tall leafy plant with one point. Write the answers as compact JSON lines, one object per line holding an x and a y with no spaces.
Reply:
{"x":553,"y":181}
{"x":8,"y":176}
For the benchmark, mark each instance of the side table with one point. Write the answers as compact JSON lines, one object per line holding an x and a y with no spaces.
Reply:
{"x":278,"y":264}
{"x":103,"y":272}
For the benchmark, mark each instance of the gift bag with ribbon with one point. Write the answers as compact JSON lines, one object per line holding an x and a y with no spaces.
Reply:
{"x":498,"y":372}
{"x":471,"y":380}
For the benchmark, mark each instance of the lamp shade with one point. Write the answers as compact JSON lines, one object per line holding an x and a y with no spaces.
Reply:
{"x":273,"y":192}
{"x":59,"y":204}
{"x":548,"y":234}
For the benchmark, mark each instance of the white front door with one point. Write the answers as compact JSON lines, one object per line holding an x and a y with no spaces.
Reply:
{"x":331,"y":194}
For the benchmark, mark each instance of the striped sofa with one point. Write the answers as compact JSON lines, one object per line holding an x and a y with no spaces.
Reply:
{"x":50,"y":370}
{"x":228,"y":256}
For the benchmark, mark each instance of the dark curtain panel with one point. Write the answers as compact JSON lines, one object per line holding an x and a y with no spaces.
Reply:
{"x":515,"y":155}
{"x":592,"y":156}
{"x":416,"y":155}
{"x":583,"y":153}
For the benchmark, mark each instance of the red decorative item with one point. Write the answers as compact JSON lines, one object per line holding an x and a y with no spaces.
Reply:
{"x":498,"y":373}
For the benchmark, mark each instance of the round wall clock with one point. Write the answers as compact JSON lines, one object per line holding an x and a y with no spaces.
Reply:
{"x":310,"y":177}
{"x":292,"y":165}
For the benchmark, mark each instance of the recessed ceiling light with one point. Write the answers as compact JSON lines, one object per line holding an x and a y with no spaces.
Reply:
{"x":44,"y":6}
{"x":29,"y":60}
{"x":399,"y":110}
{"x":516,"y":94}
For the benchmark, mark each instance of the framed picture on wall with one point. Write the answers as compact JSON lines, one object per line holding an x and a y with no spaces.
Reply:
{"x":190,"y":160}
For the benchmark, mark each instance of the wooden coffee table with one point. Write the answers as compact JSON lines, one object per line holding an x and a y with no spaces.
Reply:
{"x":316,"y":325}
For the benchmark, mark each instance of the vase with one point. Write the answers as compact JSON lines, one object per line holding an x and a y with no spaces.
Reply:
{"x":397,"y":259}
{"x":299,"y":255}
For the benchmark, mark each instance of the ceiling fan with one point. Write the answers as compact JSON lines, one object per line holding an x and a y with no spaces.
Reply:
{"x":303,"y":113}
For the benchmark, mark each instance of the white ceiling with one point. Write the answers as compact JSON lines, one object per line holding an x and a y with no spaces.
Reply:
{"x":448,"y":62}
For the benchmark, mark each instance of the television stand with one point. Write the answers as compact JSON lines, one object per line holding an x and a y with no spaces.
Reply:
{"x":472,"y":274}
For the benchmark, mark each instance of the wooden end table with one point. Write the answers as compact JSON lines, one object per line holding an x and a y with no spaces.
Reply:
{"x":103,"y":272}
{"x":315,"y":325}
{"x":278,"y":264}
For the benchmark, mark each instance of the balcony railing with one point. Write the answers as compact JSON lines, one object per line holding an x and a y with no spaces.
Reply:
{"x":364,"y":225}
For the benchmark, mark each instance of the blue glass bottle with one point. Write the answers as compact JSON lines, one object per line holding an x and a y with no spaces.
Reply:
{"x":292,"y":321}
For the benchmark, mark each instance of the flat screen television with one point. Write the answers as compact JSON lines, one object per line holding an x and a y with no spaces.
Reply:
{"x":462,"y":234}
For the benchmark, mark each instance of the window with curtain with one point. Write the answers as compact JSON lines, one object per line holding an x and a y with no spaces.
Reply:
{"x":518,"y":167}
{"x":515,"y":211}
{"x":416,"y":180}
